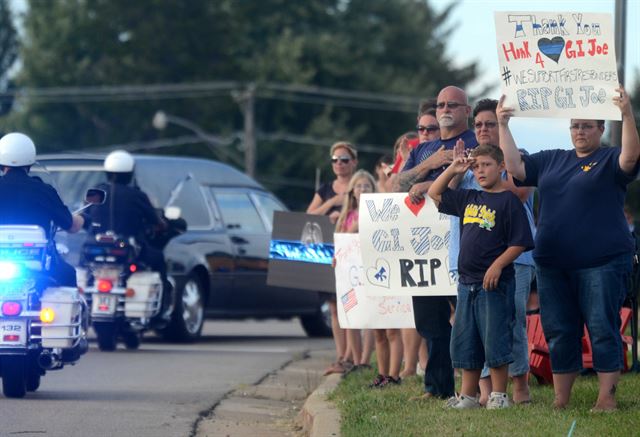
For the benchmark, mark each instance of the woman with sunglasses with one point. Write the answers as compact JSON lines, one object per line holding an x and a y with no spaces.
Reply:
{"x":328,"y":201}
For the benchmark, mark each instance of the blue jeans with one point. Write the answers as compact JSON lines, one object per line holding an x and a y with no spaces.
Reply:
{"x":483,"y":330}
{"x":571,"y":298}
{"x":431,"y":314}
{"x":520,"y":365}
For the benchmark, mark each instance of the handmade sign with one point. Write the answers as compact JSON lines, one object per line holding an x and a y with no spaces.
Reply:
{"x":558,"y":64}
{"x":301,"y":251}
{"x":405,"y":247}
{"x":357,"y":310}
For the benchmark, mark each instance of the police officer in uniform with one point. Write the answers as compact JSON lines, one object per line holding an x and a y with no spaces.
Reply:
{"x":26,"y":200}
{"x":128,"y":212}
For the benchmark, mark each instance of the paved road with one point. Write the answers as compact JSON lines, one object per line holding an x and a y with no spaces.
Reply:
{"x":159,"y":390}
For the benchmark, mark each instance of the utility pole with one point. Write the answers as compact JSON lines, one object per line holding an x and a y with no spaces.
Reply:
{"x":247,"y":99}
{"x":620,"y":41}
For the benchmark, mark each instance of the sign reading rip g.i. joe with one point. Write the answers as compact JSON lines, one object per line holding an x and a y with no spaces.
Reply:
{"x":405,"y":247}
{"x":558,"y":64}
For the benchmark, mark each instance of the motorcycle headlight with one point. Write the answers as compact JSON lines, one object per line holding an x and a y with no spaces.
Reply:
{"x":8,"y":270}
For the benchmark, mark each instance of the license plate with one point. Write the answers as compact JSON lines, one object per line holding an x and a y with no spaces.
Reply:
{"x":13,"y":332}
{"x":103,"y":303}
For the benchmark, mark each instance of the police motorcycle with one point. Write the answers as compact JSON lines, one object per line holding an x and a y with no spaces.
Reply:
{"x":125,"y":296}
{"x":42,"y":326}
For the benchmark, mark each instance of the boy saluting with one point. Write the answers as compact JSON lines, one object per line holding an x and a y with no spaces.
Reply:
{"x":494,"y":232}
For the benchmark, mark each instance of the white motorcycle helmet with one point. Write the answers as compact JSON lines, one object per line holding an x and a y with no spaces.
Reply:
{"x":17,"y":150}
{"x":119,"y":161}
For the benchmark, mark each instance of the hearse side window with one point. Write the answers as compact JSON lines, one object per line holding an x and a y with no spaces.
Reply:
{"x":193,"y":206}
{"x":267,"y":205}
{"x":238,"y":212}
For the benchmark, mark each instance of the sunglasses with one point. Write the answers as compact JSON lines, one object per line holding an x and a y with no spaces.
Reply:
{"x":450,"y":105}
{"x":430,"y":128}
{"x":342,"y":159}
{"x":487,"y":124}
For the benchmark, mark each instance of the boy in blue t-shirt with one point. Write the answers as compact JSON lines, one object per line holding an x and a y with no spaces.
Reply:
{"x":494,"y":232}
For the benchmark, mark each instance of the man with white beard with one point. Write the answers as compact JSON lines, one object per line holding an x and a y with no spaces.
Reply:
{"x":424,"y":165}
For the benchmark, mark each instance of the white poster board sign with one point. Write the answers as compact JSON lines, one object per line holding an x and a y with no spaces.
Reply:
{"x":558,"y":64}
{"x":356,"y":310}
{"x":405,"y":247}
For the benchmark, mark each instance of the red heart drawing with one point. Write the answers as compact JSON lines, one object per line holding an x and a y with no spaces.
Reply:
{"x":414,"y":207}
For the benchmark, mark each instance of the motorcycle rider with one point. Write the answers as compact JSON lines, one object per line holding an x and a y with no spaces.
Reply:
{"x":128,"y":212}
{"x":27,"y":200}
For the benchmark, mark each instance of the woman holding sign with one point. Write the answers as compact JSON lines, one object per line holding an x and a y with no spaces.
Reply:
{"x":583,"y":248}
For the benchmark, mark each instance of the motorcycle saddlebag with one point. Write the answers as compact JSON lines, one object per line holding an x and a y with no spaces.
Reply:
{"x":65,"y":328}
{"x":147,"y":295}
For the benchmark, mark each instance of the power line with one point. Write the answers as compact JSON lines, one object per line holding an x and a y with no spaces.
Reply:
{"x":340,"y":103}
{"x":291,"y":92}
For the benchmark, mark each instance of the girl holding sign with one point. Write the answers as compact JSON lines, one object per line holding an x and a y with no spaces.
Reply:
{"x":388,"y":341}
{"x":361,"y":182}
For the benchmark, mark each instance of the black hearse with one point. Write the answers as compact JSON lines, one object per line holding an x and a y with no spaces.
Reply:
{"x":219,"y":265}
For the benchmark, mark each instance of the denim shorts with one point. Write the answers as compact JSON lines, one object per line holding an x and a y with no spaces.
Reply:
{"x":520,"y":365}
{"x":571,"y":298}
{"x":483,"y":329}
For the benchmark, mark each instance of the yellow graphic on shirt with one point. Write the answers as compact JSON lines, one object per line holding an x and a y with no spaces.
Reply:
{"x":589,"y":166}
{"x":482,"y":215}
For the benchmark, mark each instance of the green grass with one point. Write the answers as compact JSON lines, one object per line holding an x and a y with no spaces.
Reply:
{"x":388,"y":412}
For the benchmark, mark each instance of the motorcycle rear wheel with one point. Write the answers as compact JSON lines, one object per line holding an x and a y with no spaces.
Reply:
{"x":14,"y":384}
{"x":107,"y":336}
{"x":33,"y":374}
{"x":132,"y":339}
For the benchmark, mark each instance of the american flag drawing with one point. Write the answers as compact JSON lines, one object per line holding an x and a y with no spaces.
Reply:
{"x":349,"y":300}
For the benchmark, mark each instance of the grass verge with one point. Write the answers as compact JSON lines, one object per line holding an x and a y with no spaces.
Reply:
{"x":388,"y":412}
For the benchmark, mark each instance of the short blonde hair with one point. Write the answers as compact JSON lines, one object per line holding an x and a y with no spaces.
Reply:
{"x":344,"y":145}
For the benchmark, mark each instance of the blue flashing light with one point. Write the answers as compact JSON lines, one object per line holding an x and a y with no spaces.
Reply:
{"x":8,"y":270}
{"x":297,"y":251}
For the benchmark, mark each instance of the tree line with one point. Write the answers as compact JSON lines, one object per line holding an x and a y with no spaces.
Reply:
{"x":384,"y":48}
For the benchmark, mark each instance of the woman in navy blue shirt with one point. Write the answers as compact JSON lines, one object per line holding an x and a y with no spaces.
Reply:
{"x":583,"y":247}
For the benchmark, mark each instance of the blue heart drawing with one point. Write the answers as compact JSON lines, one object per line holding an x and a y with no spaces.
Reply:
{"x":551,"y":48}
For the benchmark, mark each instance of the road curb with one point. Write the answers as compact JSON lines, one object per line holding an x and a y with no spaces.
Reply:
{"x":319,"y":417}
{"x":288,"y":401}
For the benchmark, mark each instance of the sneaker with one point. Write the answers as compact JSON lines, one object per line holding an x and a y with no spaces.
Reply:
{"x":451,"y":401}
{"x":498,"y":400}
{"x":378,"y":381}
{"x":463,"y":402}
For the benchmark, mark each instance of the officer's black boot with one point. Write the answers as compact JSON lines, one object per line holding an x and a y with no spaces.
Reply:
{"x":167,"y":301}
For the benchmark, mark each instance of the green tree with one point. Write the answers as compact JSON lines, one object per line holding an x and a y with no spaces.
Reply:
{"x":8,"y":49}
{"x":372,"y":46}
